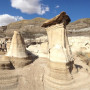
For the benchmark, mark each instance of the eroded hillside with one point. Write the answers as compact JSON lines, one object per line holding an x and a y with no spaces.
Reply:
{"x":29,"y":28}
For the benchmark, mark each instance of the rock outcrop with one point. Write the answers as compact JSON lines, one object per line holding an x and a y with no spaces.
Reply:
{"x":17,"y":53}
{"x":17,"y":48}
{"x":58,"y":68}
{"x":3,"y":28}
{"x":61,"y":70}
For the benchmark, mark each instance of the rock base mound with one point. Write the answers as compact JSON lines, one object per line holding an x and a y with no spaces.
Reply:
{"x":16,"y":62}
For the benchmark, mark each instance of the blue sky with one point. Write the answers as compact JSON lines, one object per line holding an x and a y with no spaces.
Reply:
{"x":14,"y":10}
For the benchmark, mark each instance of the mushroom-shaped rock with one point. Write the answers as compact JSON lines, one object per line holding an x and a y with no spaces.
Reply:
{"x":62,"y":17}
{"x":61,"y":71}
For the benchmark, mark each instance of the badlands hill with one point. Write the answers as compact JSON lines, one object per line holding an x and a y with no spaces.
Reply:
{"x":79,"y":24}
{"x":80,"y":27}
{"x":29,"y":28}
{"x":26,"y":27}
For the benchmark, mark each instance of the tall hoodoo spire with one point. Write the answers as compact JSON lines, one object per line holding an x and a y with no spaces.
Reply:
{"x":57,"y":38}
{"x":58,"y":68}
{"x":61,"y":72}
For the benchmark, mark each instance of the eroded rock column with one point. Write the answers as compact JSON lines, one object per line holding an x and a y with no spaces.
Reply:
{"x":17,"y":53}
{"x":57,"y":73}
{"x":17,"y":47}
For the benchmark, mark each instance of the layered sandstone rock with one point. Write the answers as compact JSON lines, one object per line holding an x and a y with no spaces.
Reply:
{"x":60,"y":63}
{"x":8,"y":45}
{"x":17,"y":53}
{"x":17,"y":48}
{"x":80,"y":44}
{"x":60,"y":72}
{"x":43,"y":50}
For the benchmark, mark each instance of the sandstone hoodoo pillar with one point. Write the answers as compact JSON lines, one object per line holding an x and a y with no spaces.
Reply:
{"x":57,"y":38}
{"x":60,"y":65}
{"x":17,"y":51}
{"x":17,"y":47}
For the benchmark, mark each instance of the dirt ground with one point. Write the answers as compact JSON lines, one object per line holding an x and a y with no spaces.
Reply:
{"x":31,"y":77}
{"x":28,"y":78}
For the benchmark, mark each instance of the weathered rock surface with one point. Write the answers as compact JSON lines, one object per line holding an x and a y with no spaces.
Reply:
{"x":61,"y":68}
{"x":17,"y":47}
{"x":40,"y":50}
{"x":79,"y":44}
{"x":76,"y":43}
{"x":17,"y":53}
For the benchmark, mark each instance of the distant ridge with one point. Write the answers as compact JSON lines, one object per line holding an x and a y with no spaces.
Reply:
{"x":30,"y":27}
{"x":79,"y":24}
{"x":26,"y":27}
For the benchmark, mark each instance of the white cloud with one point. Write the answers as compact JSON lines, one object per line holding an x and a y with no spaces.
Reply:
{"x":6,"y":19}
{"x":57,"y":6}
{"x":30,"y":6}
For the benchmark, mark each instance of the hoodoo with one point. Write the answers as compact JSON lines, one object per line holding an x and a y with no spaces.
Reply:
{"x":17,"y":47}
{"x":58,"y":68}
{"x":58,"y":43}
{"x":17,"y":52}
{"x":59,"y":71}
